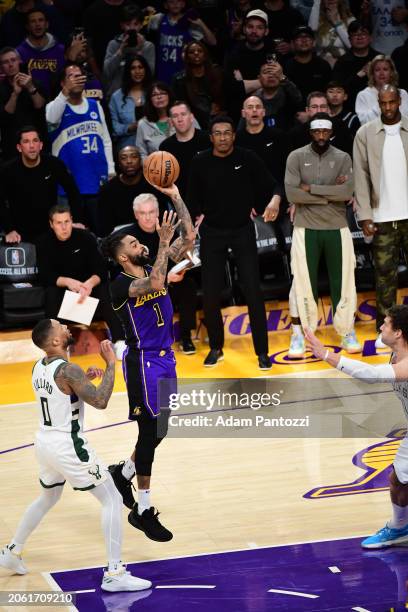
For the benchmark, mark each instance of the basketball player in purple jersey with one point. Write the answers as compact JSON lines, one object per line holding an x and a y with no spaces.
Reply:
{"x":141,"y":300}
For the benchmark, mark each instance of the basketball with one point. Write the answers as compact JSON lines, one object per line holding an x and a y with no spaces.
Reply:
{"x":161,"y":169}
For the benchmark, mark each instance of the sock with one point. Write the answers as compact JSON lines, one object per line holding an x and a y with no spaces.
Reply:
{"x":297,"y":330}
{"x":115,"y":567}
{"x":129,"y":470}
{"x":399,"y":518}
{"x":15,"y":548}
{"x":143,"y":500}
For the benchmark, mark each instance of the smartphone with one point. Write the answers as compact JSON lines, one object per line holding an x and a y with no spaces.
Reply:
{"x":271,"y":58}
{"x":79,"y":31}
{"x":132,"y":38}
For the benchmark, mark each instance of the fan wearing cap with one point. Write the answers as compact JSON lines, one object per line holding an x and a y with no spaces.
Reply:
{"x":319,"y":181}
{"x":243,"y":65}
{"x":305,"y":69}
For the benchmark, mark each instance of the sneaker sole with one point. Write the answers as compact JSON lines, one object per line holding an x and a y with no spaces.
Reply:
{"x":296,"y":355}
{"x":402,"y":540}
{"x":211,"y":365}
{"x":14,"y":570}
{"x":265,"y":368}
{"x":188,"y":352}
{"x":147,"y":534}
{"x":122,"y":590}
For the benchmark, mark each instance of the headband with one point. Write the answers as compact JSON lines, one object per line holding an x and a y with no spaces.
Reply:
{"x":321,"y":124}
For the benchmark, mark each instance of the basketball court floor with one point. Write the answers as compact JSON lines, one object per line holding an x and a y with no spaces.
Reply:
{"x":264,"y":517}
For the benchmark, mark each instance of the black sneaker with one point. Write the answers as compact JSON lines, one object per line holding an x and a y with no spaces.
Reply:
{"x":264,"y":362}
{"x":149,"y":524}
{"x":123,"y":485}
{"x":213,"y":357}
{"x":187,"y":346}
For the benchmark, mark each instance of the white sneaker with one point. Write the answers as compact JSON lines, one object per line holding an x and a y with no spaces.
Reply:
{"x":297,"y":348}
{"x":11,"y":561}
{"x":350,"y":343}
{"x":119,"y":347}
{"x":123,"y":581}
{"x":379,"y":344}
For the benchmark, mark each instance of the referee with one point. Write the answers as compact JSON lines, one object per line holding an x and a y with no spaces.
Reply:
{"x":226,"y":184}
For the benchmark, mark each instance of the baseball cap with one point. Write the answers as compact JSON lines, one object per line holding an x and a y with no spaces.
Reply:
{"x":257,"y":14}
{"x":302,"y":31}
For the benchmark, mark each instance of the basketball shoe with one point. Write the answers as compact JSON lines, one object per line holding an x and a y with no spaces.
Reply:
{"x":123,"y":485}
{"x":149,"y":524}
{"x":350,"y":343}
{"x":12,"y":561}
{"x":386,"y":537}
{"x":123,"y":581}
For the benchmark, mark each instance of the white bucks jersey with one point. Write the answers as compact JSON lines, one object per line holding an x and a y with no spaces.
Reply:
{"x":401,"y":390}
{"x":57,"y":411}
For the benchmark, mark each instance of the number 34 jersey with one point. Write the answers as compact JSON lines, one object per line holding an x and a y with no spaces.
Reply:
{"x":56,"y":410}
{"x":147,"y":319}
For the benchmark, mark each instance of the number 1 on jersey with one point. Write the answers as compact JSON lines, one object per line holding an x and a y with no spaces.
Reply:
{"x":160,"y":320}
{"x":45,"y":411}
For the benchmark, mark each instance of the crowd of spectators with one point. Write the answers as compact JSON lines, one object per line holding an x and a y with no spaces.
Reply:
{"x":89,"y":88}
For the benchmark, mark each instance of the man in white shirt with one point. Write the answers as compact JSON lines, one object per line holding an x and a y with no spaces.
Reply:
{"x":381,"y":190}
{"x":80,"y":137}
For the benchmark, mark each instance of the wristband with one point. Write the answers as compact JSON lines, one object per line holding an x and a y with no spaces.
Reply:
{"x":326,"y":355}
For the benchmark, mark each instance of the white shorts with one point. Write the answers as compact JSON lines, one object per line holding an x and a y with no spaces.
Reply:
{"x":64,"y":457}
{"x":401,"y":461}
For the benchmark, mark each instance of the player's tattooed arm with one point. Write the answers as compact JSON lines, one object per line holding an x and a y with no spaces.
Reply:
{"x":179,"y":248}
{"x":187,"y":230}
{"x":157,"y":278}
{"x":70,"y":378}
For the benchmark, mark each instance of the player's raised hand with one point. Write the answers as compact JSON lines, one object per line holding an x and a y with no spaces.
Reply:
{"x":107,"y":352}
{"x":168,"y":226}
{"x":172,"y":191}
{"x":93,"y":372}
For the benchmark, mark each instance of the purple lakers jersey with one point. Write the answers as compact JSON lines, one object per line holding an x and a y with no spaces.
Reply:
{"x":147,"y":319}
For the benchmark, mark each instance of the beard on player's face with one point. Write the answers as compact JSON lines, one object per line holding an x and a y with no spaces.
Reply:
{"x":69,"y":341}
{"x":140,"y":260}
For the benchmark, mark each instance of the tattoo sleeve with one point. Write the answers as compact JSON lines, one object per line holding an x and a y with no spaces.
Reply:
{"x":186,"y":227}
{"x":178,"y":249}
{"x":71,"y":377}
{"x":157,"y":278}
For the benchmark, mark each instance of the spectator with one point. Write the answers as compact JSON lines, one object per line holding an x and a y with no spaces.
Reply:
{"x":200,"y":84}
{"x":21,"y":101}
{"x":13,"y":22}
{"x":337,"y":97}
{"x":381,"y":194}
{"x":79,"y":51}
{"x":305,"y":69}
{"x":173,"y":29}
{"x":400,"y":58}
{"x":80,"y":137}
{"x":40,"y":51}
{"x":283,"y":18}
{"x":225,"y":184}
{"x":330,"y":20}
{"x":29,"y":189}
{"x":381,"y":71}
{"x":269,"y":143}
{"x":130,"y":42}
{"x":69,"y":258}
{"x":281,"y":98}
{"x":318,"y":181}
{"x":185,"y":143}
{"x":127,"y":104}
{"x":299,"y":136}
{"x":155,"y":126}
{"x":102,"y":24}
{"x":243,"y":65}
{"x":183,"y":290}
{"x":115,"y":200}
{"x":351,"y":68}
{"x":388,"y":18}
{"x":234,"y":21}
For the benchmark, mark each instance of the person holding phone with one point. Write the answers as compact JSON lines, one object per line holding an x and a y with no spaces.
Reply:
{"x":130,"y":42}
